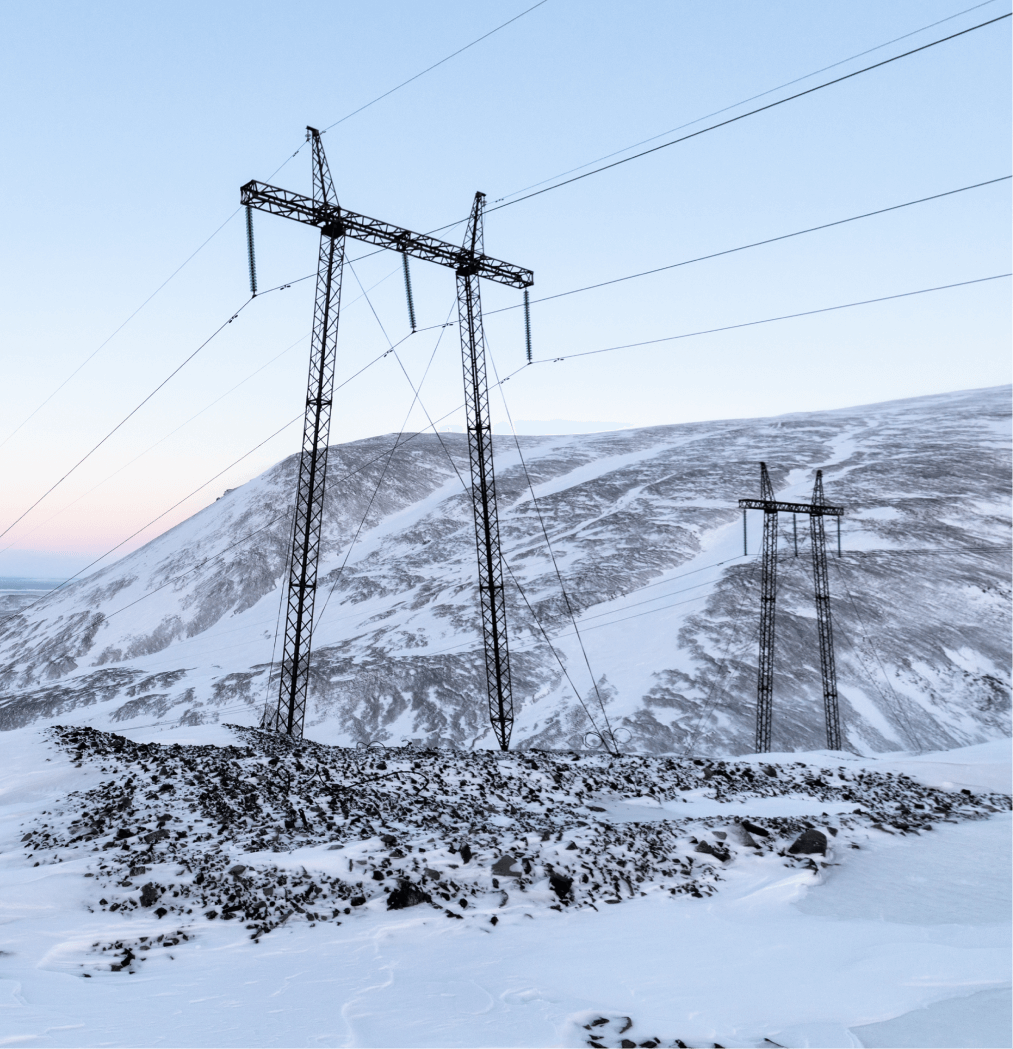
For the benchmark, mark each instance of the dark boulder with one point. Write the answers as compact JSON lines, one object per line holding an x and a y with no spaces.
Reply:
{"x":502,"y":867}
{"x":150,"y":894}
{"x":562,"y":885}
{"x":407,"y":894}
{"x":810,"y":842}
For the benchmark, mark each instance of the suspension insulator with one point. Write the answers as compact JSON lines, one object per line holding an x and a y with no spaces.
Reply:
{"x":408,"y":292}
{"x":249,"y":251}
{"x":527,"y":325}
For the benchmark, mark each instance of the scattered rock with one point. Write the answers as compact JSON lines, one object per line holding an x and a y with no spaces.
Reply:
{"x":738,"y":834}
{"x":718,"y":851}
{"x":267,"y":795}
{"x":503,"y":867}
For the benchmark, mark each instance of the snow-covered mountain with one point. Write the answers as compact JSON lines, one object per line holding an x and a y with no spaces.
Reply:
{"x":648,"y":541}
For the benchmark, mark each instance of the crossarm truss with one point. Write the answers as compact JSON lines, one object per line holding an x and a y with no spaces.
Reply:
{"x":776,"y":506}
{"x":338,"y":220}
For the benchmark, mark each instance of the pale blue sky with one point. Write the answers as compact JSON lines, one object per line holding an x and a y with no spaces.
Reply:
{"x":129,"y":129}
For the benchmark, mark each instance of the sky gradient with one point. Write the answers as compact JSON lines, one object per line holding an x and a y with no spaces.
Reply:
{"x":131,"y":127}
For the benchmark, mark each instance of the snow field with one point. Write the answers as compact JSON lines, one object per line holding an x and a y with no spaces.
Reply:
{"x":906,"y":927}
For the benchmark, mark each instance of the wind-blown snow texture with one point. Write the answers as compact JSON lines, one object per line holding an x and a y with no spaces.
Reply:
{"x":648,"y":540}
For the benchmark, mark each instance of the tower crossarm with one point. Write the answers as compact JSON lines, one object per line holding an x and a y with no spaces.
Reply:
{"x":776,"y":506}
{"x":339,"y":221}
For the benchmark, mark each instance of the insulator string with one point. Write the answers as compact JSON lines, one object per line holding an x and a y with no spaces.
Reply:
{"x":250,"y":252}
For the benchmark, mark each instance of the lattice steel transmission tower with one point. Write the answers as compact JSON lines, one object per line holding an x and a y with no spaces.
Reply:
{"x":470,"y":264}
{"x":817,"y":510}
{"x":491,"y":595}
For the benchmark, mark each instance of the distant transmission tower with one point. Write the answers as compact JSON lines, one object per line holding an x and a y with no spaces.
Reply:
{"x":817,"y":510}
{"x":470,"y":263}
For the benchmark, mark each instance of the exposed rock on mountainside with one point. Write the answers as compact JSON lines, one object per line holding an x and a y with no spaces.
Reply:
{"x":648,"y":541}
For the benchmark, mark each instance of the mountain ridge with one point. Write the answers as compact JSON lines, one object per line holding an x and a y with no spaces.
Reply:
{"x":636,"y":517}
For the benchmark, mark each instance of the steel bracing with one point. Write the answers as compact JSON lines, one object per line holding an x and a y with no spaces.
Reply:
{"x":492,"y":597}
{"x":817,"y":509}
{"x":470,"y":263}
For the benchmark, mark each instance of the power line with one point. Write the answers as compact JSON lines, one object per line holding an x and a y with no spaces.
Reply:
{"x":760,"y":243}
{"x":745,"y":101}
{"x":238,"y":542}
{"x":394,"y":447}
{"x":211,"y":404}
{"x":765,"y":320}
{"x":552,"y":649}
{"x":750,"y":113}
{"x":459,"y":51}
{"x":143,"y":528}
{"x":119,"y":329}
{"x":450,"y":458}
{"x":552,"y":556}
{"x":204,"y":244}
{"x":433,"y":423}
{"x":127,"y":417}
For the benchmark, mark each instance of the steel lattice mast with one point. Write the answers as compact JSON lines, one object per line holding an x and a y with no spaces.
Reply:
{"x":817,"y":510}
{"x":470,"y":263}
{"x":824,"y":626}
{"x":492,"y":598}
{"x":768,"y":596}
{"x":290,"y":712}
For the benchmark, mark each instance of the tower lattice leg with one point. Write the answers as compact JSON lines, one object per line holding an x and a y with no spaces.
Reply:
{"x":768,"y":594}
{"x":823,"y":622}
{"x":492,"y":598}
{"x":290,"y":712}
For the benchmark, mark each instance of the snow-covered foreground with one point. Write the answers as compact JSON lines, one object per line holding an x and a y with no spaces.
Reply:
{"x":904,"y":941}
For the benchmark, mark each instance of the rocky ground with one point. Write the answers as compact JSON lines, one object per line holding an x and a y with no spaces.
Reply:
{"x":322,"y":831}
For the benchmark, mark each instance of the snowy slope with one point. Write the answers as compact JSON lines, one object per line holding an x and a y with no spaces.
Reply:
{"x":648,"y":541}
